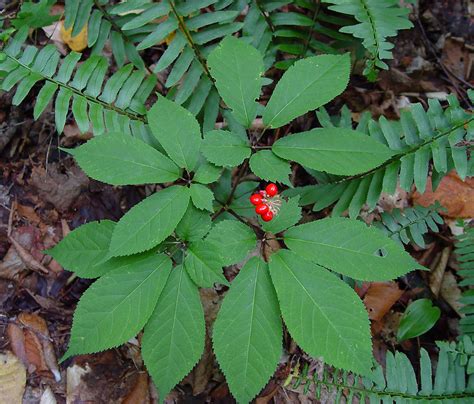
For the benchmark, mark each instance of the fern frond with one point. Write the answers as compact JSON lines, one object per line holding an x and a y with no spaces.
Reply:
{"x":104,"y":23}
{"x":378,"y":20}
{"x":189,"y":28}
{"x":306,"y":30}
{"x":417,"y":139}
{"x":411,"y":224}
{"x":453,"y":381}
{"x":119,"y":105}
{"x":465,"y":255}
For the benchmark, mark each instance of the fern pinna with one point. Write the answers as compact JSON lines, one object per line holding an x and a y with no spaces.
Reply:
{"x":465,"y":255}
{"x":377,"y":21}
{"x":451,"y":382}
{"x":411,"y":224}
{"x":417,"y":139}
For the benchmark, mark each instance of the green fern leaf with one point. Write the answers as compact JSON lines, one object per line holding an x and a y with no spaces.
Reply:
{"x":465,"y":255}
{"x":378,"y":20}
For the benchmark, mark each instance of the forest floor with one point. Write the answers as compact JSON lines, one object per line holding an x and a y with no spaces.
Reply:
{"x":44,"y":195}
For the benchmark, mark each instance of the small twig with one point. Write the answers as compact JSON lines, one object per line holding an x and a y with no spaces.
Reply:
{"x":311,"y":30}
{"x":448,"y":72}
{"x":242,"y":170}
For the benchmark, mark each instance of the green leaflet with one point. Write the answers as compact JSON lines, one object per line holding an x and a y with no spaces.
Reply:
{"x":149,"y":222}
{"x":305,"y":86}
{"x":419,"y":317}
{"x":194,"y":225}
{"x":207,"y":173}
{"x":231,"y":240}
{"x":266,"y":165}
{"x":247,"y":334}
{"x":289,"y":215}
{"x":117,"y":306}
{"x":323,"y":314}
{"x":350,"y":248}
{"x":202,"y":197}
{"x":82,"y":250}
{"x":173,"y":340}
{"x":177,"y":131}
{"x":203,"y":265}
{"x":224,"y":148}
{"x":237,"y":68}
{"x":333,"y":150}
{"x":120,"y":159}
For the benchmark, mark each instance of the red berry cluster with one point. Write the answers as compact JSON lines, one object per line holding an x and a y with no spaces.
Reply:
{"x":266,"y":205}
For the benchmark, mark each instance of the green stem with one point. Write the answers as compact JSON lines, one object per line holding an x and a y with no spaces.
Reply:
{"x":189,"y":39}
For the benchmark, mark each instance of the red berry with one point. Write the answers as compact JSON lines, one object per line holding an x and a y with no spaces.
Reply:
{"x":267,"y":216}
{"x":261,"y":209}
{"x":271,"y":190}
{"x":256,"y":199}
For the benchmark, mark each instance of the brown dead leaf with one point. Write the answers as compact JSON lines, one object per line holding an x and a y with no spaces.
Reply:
{"x":27,"y":258}
{"x":53,"y":32}
{"x":48,"y":397}
{"x":438,"y":268}
{"x":11,"y":265}
{"x":204,"y":370}
{"x":77,"y":43}
{"x":451,"y":292}
{"x":12,"y":379}
{"x":380,"y":298}
{"x":34,"y":344}
{"x":271,"y":246}
{"x":455,"y":195}
{"x":105,"y":377}
{"x":72,"y":132}
{"x":60,"y":189}
{"x":28,"y":213}
{"x":140,"y":392}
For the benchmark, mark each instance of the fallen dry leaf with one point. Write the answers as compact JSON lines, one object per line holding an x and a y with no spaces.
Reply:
{"x":59,"y":189}
{"x":48,"y":397}
{"x":31,"y":342}
{"x":455,"y":195}
{"x":451,"y":292}
{"x":27,"y":258}
{"x":140,"y":393}
{"x":204,"y":370}
{"x":77,"y":43}
{"x":12,"y":379}
{"x":380,"y":297}
{"x":438,"y":268}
